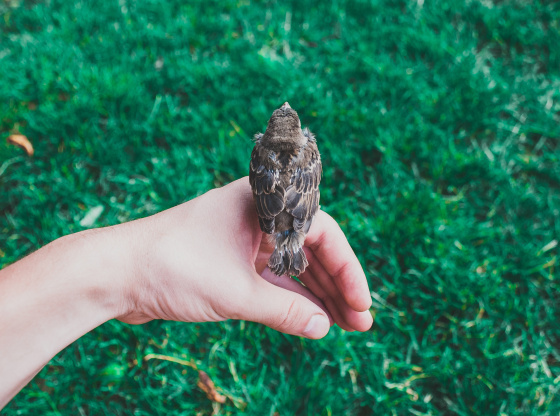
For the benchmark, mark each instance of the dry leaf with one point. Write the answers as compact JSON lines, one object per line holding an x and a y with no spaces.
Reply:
{"x":21,"y":141}
{"x":208,"y":387}
{"x":204,"y":382}
{"x":92,"y":215}
{"x":172,"y":359}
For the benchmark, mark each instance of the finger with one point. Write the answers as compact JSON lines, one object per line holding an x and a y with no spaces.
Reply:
{"x":311,"y":284}
{"x":286,"y":282}
{"x":331,"y":248}
{"x":320,"y":283}
{"x":283,"y":310}
{"x":331,"y":305}
{"x":338,"y":319}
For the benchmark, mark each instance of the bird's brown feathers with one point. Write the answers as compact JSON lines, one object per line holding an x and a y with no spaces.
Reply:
{"x":287,"y":182}
{"x":284,"y":174}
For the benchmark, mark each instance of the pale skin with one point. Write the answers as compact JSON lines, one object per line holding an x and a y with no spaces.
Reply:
{"x":202,"y":261}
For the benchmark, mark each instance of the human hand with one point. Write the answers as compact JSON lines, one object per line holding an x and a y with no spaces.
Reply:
{"x":205,"y":260}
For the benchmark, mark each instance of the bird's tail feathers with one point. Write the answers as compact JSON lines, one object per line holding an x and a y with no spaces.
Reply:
{"x":288,"y":256}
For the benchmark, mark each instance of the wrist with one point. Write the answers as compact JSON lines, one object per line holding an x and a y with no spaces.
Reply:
{"x":132,"y":256}
{"x":103,"y":262}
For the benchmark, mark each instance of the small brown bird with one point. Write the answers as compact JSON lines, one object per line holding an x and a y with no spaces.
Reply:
{"x":285,"y":172}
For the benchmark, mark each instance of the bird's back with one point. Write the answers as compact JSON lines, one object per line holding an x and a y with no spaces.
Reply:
{"x":285,"y":172}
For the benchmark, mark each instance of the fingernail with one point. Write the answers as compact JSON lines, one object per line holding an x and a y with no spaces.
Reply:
{"x":317,"y":327}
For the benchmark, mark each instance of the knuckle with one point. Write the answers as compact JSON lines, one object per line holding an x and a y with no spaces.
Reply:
{"x":335,"y":225}
{"x":291,"y":317}
{"x":342,"y":271}
{"x":329,"y":220}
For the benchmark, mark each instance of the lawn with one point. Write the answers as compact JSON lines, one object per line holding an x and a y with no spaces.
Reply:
{"x":439,"y":128}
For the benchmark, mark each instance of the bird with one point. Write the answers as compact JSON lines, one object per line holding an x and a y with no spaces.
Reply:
{"x":284,"y":173}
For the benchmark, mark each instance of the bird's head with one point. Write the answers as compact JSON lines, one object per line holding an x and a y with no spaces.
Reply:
{"x":284,"y":118}
{"x":284,"y":127}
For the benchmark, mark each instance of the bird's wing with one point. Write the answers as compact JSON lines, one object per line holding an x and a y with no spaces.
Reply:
{"x":302,"y":195}
{"x":268,"y":194}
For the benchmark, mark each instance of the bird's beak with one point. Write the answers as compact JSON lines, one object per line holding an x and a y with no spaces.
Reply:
{"x":285,"y":106}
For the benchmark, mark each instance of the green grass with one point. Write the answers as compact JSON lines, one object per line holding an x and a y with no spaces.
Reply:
{"x":438,"y":123}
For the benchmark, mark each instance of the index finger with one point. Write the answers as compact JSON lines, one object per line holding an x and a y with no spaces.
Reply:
{"x":331,"y":248}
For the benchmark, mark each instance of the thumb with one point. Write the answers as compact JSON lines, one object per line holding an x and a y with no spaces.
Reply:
{"x":285,"y":311}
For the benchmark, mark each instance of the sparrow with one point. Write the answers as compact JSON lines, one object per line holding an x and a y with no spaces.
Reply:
{"x":284,"y":174}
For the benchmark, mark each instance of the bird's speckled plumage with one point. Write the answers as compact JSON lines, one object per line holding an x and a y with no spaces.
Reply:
{"x":285,"y":172}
